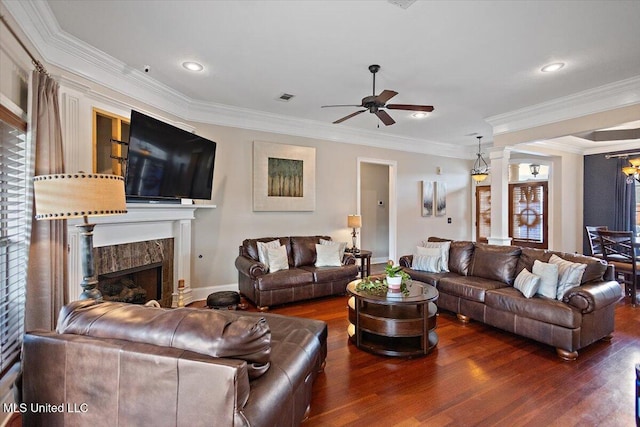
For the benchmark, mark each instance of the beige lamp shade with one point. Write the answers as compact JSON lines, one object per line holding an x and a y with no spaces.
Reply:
{"x":63,"y":196}
{"x":354,"y":221}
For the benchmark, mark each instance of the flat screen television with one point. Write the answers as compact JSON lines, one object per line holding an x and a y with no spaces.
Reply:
{"x":166,"y":163}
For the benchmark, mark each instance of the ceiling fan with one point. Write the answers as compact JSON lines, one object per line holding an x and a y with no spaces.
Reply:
{"x":374,"y":104}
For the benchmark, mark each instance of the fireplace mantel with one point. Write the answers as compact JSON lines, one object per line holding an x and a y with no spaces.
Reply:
{"x":142,"y":222}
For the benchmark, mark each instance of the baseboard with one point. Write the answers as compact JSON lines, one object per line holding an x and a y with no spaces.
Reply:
{"x":379,"y":260}
{"x":199,"y":294}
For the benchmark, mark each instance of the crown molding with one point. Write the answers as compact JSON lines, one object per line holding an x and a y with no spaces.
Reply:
{"x":603,"y":98}
{"x":76,"y":57}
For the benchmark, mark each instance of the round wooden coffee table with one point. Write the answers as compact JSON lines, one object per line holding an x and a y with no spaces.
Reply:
{"x":394,"y":324}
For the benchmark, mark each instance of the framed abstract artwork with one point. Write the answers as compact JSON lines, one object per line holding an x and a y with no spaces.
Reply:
{"x":284,"y":177}
{"x":427,"y":198}
{"x":441,"y":199}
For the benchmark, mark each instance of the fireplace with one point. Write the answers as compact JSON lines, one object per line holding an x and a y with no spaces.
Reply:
{"x":136,"y":272}
{"x":134,"y":285}
{"x":142,"y":223}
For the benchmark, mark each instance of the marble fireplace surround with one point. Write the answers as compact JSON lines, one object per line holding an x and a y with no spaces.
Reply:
{"x":141,"y":223}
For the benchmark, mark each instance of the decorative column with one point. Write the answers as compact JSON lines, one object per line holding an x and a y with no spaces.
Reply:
{"x":500,"y":196}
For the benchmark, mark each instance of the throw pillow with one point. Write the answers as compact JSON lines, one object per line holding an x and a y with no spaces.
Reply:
{"x":430,"y":264}
{"x":263,"y":257}
{"x":342,"y":245}
{"x":444,"y":252}
{"x":548,"y":278}
{"x":569,"y":274}
{"x":278,"y":259}
{"x":527,"y":283}
{"x":328,"y":256}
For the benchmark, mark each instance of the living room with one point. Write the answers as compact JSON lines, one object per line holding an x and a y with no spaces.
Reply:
{"x":220,"y":224}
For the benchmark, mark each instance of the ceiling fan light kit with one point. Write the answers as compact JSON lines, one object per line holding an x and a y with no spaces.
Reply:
{"x":480,"y":170}
{"x":375,"y":104}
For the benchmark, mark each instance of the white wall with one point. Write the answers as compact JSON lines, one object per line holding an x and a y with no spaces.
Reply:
{"x":217,"y":233}
{"x":374,"y":188}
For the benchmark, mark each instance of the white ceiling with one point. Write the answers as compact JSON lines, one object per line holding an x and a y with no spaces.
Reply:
{"x":472,"y":60}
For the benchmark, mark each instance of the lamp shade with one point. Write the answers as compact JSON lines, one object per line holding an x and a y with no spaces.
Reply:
{"x":63,"y":196}
{"x":354,"y":221}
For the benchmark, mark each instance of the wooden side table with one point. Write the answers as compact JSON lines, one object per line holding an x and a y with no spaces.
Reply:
{"x":365,"y":262}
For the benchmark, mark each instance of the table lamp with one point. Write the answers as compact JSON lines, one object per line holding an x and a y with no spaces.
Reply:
{"x":64,"y":196}
{"x":354,"y":221}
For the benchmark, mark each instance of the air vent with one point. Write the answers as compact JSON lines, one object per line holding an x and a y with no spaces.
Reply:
{"x":402,"y":3}
{"x":285,"y":97}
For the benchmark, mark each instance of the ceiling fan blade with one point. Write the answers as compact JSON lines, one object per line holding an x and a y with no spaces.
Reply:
{"x":427,"y":108}
{"x":348,"y":117}
{"x":341,"y":105}
{"x":385,"y":96}
{"x":384,"y":117}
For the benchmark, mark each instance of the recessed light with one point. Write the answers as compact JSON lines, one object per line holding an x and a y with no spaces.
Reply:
{"x":552,"y":67}
{"x":192,"y":66}
{"x":420,"y":115}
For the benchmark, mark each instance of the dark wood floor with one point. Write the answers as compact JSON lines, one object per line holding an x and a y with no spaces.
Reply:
{"x":477,"y":376}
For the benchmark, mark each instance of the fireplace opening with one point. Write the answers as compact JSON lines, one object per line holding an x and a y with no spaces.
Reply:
{"x":134,"y":285}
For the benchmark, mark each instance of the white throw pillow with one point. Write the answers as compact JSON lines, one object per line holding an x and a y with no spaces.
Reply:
{"x":430,"y":264}
{"x":569,"y":274}
{"x":278,"y":259}
{"x":444,"y":252}
{"x":548,"y":278}
{"x":263,"y":257}
{"x":342,"y":245}
{"x":527,"y":283}
{"x":328,"y":256}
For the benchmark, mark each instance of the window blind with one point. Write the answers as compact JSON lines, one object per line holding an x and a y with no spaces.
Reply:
{"x":13,"y":235}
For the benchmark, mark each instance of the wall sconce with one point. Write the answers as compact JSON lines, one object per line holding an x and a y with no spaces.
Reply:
{"x":354,"y":221}
{"x":534,"y":169}
{"x":80,"y":195}
{"x":632,"y":171}
{"x":480,"y":170}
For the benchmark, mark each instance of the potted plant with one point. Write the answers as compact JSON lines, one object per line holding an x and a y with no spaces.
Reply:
{"x":396,"y":276}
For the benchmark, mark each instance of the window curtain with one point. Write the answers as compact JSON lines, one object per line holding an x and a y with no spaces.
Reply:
{"x":625,"y":206}
{"x":47,"y":273}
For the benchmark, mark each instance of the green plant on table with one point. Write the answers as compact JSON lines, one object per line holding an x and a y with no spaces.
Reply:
{"x":395,"y":271}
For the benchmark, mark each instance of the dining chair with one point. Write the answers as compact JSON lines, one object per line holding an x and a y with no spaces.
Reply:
{"x":594,"y":239}
{"x":618,"y":249}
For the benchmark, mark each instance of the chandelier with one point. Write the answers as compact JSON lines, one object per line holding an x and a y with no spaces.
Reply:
{"x":632,"y":171}
{"x":480,"y":170}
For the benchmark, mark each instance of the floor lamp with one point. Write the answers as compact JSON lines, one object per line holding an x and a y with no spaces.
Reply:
{"x":80,"y":195}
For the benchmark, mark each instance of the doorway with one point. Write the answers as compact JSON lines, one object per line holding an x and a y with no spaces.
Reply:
{"x":376,"y":199}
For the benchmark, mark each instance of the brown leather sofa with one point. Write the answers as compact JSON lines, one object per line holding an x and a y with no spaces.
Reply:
{"x":480,"y":282}
{"x":300,"y":282}
{"x":121,"y":364}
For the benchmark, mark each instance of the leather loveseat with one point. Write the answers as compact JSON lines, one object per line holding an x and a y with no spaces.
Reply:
{"x":300,"y":281}
{"x":121,"y":364}
{"x":480,"y":285}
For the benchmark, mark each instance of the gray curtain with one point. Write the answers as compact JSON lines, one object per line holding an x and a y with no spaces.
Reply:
{"x":47,"y":273}
{"x":625,"y":205}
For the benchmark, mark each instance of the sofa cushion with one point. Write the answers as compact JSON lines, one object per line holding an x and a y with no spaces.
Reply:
{"x":250,"y":246}
{"x":214,"y":333}
{"x":468,"y":287}
{"x":529,"y":256}
{"x":548,"y":274}
{"x":283,"y":279}
{"x":539,"y":308}
{"x":444,"y":252}
{"x":278,"y":259}
{"x":460,"y":255}
{"x":495,"y":262}
{"x":341,"y":245}
{"x":263,"y":252}
{"x":527,"y":283}
{"x":331,"y":274}
{"x":328,"y":256}
{"x":595,"y":267}
{"x":569,"y":274}
{"x":303,"y":249}
{"x":427,"y":277}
